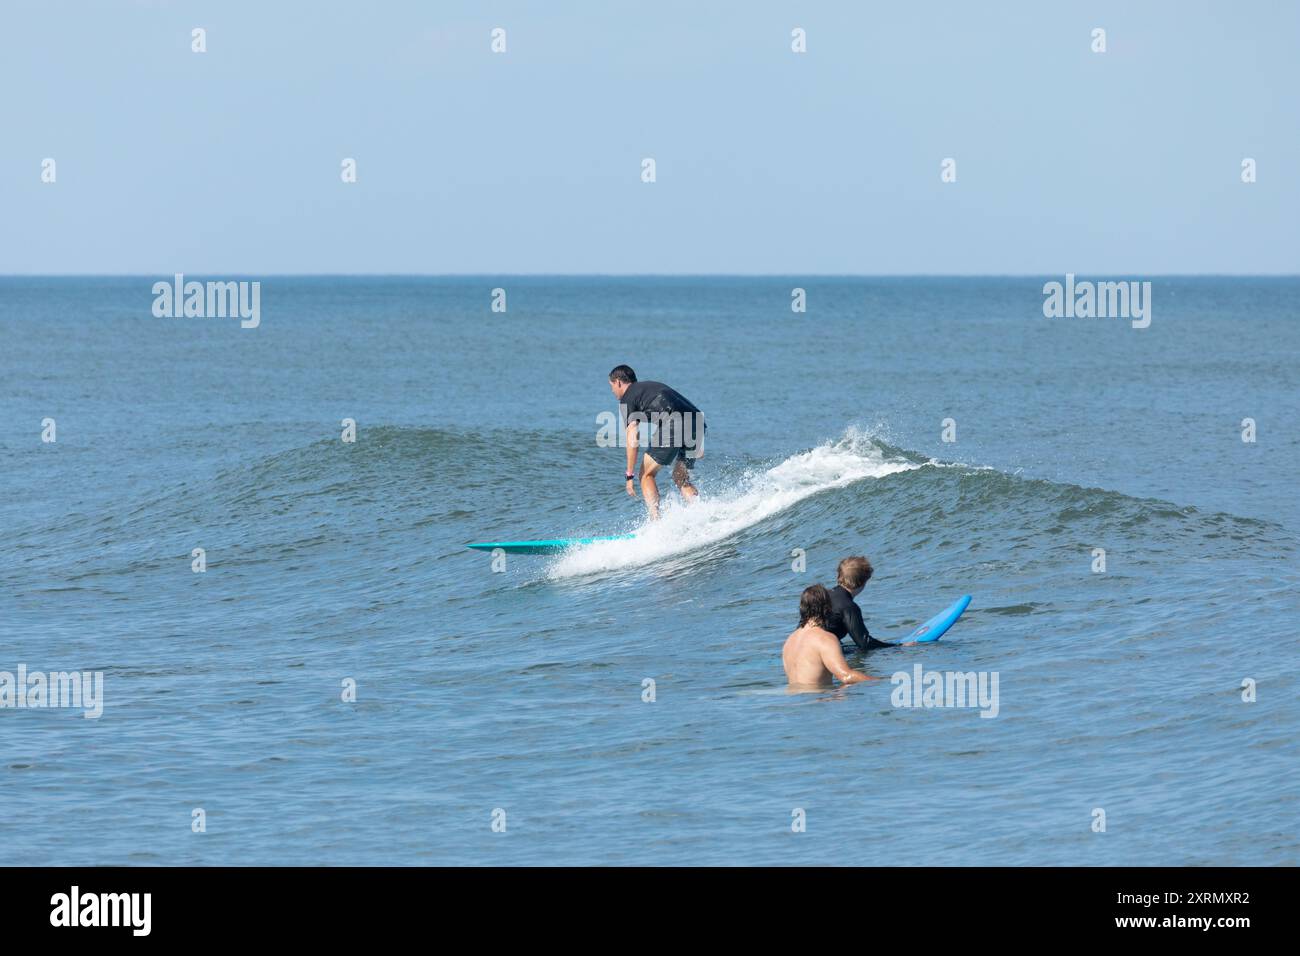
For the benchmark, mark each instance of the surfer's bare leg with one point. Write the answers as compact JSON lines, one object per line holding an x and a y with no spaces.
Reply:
{"x":650,"y":486}
{"x":683,"y":479}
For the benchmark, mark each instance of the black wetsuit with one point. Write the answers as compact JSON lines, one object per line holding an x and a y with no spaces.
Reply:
{"x":680,"y":424}
{"x":846,"y":618}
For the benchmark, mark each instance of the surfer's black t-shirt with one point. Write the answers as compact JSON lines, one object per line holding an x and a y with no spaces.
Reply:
{"x":643,"y":400}
{"x":649,"y":397}
{"x":846,"y":618}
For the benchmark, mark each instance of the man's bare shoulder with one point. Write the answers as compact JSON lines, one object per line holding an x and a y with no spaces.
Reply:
{"x":812,"y":635}
{"x":821,"y":635}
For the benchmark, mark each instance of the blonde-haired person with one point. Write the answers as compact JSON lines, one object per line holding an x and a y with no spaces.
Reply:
{"x":846,"y":617}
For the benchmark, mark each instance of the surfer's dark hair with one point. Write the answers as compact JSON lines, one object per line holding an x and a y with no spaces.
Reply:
{"x":622,"y":373}
{"x":853,"y":573}
{"x":815,"y":605}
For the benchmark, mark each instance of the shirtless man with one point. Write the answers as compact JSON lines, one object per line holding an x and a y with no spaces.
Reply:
{"x":812,"y":654}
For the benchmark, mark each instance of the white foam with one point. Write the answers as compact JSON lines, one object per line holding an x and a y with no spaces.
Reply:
{"x":720,"y":514}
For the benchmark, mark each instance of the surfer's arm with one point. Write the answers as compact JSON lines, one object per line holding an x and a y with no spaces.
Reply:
{"x":858,"y":630}
{"x":633,"y":438}
{"x":833,"y":660}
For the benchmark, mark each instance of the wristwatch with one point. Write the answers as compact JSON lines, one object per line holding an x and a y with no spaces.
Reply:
{"x":628,"y":477}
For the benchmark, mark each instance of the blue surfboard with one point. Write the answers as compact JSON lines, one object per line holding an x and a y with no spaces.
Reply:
{"x":554,"y":546}
{"x":934,"y":628}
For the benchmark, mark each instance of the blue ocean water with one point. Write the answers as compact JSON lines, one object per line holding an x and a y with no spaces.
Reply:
{"x":519,"y":694}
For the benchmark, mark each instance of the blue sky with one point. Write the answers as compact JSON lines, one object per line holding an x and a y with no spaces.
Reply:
{"x":1126,"y":162}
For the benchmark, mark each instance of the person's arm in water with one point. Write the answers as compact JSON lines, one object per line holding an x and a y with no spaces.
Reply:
{"x":833,"y":660}
{"x":858,"y":629}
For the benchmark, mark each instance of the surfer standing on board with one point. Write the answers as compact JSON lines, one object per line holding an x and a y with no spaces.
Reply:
{"x":678,"y":437}
{"x":812,"y":655}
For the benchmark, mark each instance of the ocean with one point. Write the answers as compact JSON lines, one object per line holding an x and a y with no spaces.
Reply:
{"x":345,"y":683}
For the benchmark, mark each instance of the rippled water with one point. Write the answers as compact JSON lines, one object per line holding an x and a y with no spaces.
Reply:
{"x":523,"y":690}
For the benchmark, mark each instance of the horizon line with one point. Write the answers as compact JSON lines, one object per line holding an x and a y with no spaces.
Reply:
{"x":650,"y":275}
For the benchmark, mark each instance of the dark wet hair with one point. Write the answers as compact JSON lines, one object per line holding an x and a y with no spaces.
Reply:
{"x":815,"y":605}
{"x":622,"y":373}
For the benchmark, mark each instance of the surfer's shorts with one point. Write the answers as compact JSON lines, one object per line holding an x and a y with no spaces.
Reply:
{"x":672,"y":448}
{"x":667,"y":456}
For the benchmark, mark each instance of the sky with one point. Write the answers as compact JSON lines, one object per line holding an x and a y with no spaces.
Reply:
{"x":767,"y":161}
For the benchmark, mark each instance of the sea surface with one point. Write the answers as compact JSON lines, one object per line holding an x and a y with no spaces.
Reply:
{"x":624,"y":703}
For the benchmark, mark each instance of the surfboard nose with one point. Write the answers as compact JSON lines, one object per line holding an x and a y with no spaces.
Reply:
{"x":552,"y":546}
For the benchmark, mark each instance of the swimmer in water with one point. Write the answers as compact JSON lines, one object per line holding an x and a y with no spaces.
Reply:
{"x":846,"y":617}
{"x":812,"y":656}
